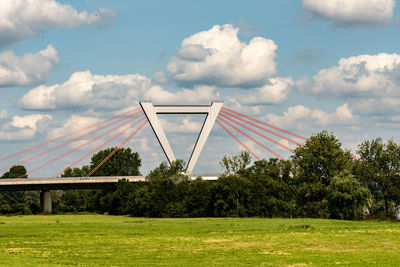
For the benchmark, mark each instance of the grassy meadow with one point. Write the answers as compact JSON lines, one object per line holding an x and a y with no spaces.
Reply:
{"x":100,"y":240}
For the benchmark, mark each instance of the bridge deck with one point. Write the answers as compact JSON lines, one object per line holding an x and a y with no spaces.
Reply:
{"x":32,"y":184}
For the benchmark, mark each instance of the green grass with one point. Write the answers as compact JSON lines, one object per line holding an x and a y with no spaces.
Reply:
{"x":96,"y":240}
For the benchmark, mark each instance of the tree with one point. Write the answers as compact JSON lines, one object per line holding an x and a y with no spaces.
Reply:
{"x":121,"y":197}
{"x":15,"y":172}
{"x":166,"y":189}
{"x":231,"y":196}
{"x":346,"y":197}
{"x":236,"y":163}
{"x":198,"y":200}
{"x":272,"y":188}
{"x":379,"y":169}
{"x":316,"y":163}
{"x":73,"y":200}
{"x":123,"y":162}
{"x":14,"y":202}
{"x":76,"y":172}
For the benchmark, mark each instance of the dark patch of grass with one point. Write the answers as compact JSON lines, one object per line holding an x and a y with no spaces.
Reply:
{"x":301,"y":227}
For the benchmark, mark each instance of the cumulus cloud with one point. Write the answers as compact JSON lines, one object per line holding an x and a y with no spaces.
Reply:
{"x":302,"y":117}
{"x":86,"y":91}
{"x":217,"y":57}
{"x":363,"y":75}
{"x":21,"y":19}
{"x":369,"y":83}
{"x":142,"y":145}
{"x":24,"y":127}
{"x":378,"y":106}
{"x":27,"y":70}
{"x":253,"y":147}
{"x":275,"y":92}
{"x":185,"y":125}
{"x":73,"y":123}
{"x":3,"y":114}
{"x":159,"y":77}
{"x":200,"y":94}
{"x":364,"y":13}
{"x":234,"y":103}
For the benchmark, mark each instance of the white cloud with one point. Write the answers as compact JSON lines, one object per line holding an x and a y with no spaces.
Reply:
{"x":218,"y":57}
{"x":185,"y":125}
{"x":273,"y":93}
{"x":253,"y":147}
{"x":380,"y":106}
{"x":87,"y":91}
{"x":141,"y":145}
{"x":34,"y":121}
{"x":3,"y":114}
{"x":21,"y":19}
{"x":301,"y":117}
{"x":27,"y":70}
{"x":363,"y":75}
{"x":285,"y":143}
{"x":159,"y":77}
{"x":200,"y":94}
{"x":347,"y":13}
{"x":73,"y":123}
{"x":25,"y":127}
{"x":369,"y":83}
{"x":88,"y":142}
{"x":234,"y":103}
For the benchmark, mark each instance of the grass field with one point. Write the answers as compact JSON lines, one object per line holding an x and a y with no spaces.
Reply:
{"x":90,"y":240}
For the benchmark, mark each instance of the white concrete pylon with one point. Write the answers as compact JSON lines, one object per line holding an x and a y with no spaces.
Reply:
{"x":211,"y":112}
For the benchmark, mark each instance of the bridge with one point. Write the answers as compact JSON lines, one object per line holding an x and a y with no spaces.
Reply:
{"x":44,"y":185}
{"x":130,"y":123}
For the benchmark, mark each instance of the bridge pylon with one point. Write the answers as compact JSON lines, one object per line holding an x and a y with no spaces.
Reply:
{"x":211,"y":111}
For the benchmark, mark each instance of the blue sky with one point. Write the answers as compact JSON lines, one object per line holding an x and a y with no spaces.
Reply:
{"x":304,"y":65}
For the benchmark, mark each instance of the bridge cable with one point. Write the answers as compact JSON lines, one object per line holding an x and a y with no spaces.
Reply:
{"x":260,"y":127}
{"x":66,"y":135}
{"x":80,"y":146}
{"x":98,"y":147}
{"x":251,"y":138}
{"x":66,"y":143}
{"x":237,"y":139}
{"x":257,"y":133}
{"x":116,"y":149}
{"x":264,"y":123}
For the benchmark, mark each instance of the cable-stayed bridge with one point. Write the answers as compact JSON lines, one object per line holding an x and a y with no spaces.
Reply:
{"x":127,"y":124}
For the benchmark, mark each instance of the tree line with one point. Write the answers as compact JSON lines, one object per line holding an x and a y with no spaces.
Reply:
{"x":320,"y":180}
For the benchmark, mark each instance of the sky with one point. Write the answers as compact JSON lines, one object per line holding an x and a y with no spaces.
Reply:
{"x":303,"y":65}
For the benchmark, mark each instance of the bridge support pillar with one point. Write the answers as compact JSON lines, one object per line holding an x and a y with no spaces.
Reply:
{"x":45,"y":201}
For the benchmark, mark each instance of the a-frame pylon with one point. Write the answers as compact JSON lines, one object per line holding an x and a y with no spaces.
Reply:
{"x":211,"y":112}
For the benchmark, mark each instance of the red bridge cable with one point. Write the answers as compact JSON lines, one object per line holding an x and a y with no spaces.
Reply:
{"x":237,"y":139}
{"x":66,"y":143}
{"x":117,"y":148}
{"x":264,"y":123}
{"x":98,"y":147}
{"x":261,"y":128}
{"x":257,"y":133}
{"x":252,"y":139}
{"x":78,"y":147}
{"x":66,"y":135}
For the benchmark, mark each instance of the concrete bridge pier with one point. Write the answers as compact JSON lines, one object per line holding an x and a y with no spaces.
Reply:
{"x":45,"y":201}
